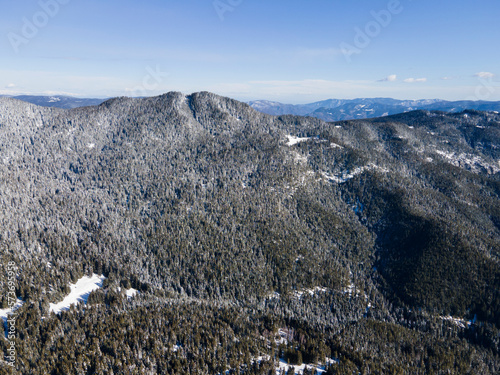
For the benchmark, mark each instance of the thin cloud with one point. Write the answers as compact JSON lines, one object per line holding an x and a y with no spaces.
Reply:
{"x":484,"y":75}
{"x":391,"y":78}
{"x":415,"y":80}
{"x":10,"y":86}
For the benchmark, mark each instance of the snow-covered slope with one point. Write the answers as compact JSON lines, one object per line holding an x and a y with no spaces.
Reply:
{"x":79,"y":292}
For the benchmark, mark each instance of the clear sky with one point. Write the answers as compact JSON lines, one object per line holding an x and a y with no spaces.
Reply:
{"x":293,"y":51}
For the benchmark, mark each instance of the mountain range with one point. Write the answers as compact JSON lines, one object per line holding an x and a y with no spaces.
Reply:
{"x":215,"y":238}
{"x":326,"y":110}
{"x":58,"y":101}
{"x":349,"y":109}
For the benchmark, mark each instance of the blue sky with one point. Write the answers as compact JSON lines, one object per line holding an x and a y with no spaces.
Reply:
{"x":290,"y":51}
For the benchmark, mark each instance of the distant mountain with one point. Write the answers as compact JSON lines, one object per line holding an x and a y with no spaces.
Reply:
{"x":58,"y":101}
{"x":353,"y":109}
{"x":276,"y":108}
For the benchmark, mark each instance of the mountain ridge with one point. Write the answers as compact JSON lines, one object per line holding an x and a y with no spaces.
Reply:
{"x":328,"y":110}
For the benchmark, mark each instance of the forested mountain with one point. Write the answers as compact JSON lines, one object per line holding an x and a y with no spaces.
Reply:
{"x":367,"y":246}
{"x":349,"y":109}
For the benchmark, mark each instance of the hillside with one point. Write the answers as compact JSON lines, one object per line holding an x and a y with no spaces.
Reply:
{"x":248,"y":237}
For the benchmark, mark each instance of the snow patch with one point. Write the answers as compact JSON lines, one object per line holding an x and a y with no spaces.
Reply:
{"x":347,"y":175}
{"x":298,"y":158}
{"x":283,"y":335}
{"x":292,"y":140}
{"x":79,"y":292}
{"x":350,"y":289}
{"x":299,"y":293}
{"x":282,"y":366}
{"x":462,"y":323}
{"x":90,"y":146}
{"x":131,"y":292}
{"x":472,"y":162}
{"x":299,"y":370}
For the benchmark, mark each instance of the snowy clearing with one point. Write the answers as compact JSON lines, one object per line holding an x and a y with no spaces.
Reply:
{"x":282,"y":366}
{"x":292,"y":140}
{"x":299,"y":293}
{"x":462,"y":323}
{"x":347,"y":175}
{"x":79,"y":292}
{"x":131,"y":292}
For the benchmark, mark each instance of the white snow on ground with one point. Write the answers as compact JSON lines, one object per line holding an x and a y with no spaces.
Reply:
{"x":131,"y":292}
{"x":334,"y":145}
{"x":282,"y":366}
{"x":299,"y":293}
{"x":462,"y":323}
{"x":350,"y":289}
{"x":298,"y":158}
{"x":292,"y":140}
{"x":90,"y":145}
{"x":475,"y":163}
{"x":282,"y":338}
{"x":79,"y":292}
{"x":345,"y":176}
{"x":4,"y":313}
